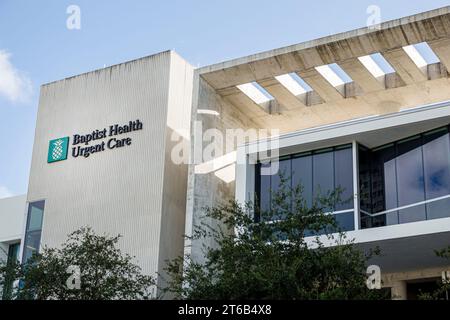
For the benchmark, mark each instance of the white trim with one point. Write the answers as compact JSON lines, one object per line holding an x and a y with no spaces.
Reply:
{"x":340,"y":211}
{"x":355,"y":185}
{"x":325,"y":213}
{"x":396,"y":231}
{"x":11,"y":239}
{"x":406,"y":206}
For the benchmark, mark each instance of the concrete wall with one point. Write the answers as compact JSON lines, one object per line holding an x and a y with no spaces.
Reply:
{"x":12,"y":223}
{"x":175,"y":175}
{"x":12,"y":218}
{"x":125,"y":191}
{"x":206,"y":189}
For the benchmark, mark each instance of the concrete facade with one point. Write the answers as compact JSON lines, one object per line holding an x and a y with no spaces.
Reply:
{"x":135,"y":191}
{"x":12,"y":217}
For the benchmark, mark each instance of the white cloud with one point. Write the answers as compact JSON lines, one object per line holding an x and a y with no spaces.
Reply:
{"x":4,"y":192}
{"x":14,"y":85}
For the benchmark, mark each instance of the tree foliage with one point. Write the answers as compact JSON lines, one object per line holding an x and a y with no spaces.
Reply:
{"x":105,"y":272}
{"x":269,"y":258}
{"x":443,"y":290}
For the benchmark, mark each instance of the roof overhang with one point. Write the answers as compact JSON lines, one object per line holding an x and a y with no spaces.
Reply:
{"x":410,"y":85}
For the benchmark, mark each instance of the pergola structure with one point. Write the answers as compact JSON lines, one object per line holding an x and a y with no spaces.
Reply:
{"x":265,"y":86}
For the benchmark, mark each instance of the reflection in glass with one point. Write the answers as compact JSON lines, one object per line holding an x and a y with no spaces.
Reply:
{"x":35,"y":218}
{"x":33,"y":230}
{"x":343,"y":176}
{"x":436,"y":158}
{"x":410,"y":180}
{"x":302,"y":175}
{"x":345,"y":221}
{"x":323,"y":174}
{"x":32,"y":243}
{"x":318,"y":173}
{"x":264,"y":192}
{"x":413,"y":172}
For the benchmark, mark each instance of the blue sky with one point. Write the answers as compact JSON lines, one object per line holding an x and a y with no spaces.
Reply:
{"x":36,"y":47}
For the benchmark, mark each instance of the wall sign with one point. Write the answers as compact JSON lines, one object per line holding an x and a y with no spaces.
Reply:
{"x":57,"y":149}
{"x":84,"y":145}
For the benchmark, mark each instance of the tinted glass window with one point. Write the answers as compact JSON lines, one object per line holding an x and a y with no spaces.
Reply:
{"x":34,"y":227}
{"x":318,"y":173}
{"x":35,"y":221}
{"x":279,"y":188}
{"x":323,"y":174}
{"x":302,"y":175}
{"x":413,"y":172}
{"x":264,"y":191}
{"x":384,"y":185}
{"x":345,"y":221}
{"x":410,"y":180}
{"x":343,"y":176}
{"x":364,"y":180}
{"x":436,"y":151}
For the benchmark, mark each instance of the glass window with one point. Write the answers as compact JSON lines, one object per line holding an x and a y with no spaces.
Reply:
{"x":364,"y":187}
{"x":323,"y":174}
{"x":343,"y":176}
{"x":410,"y":180}
{"x":280,"y":204}
{"x":13,"y":256}
{"x":414,"y":172}
{"x":302,"y":175}
{"x":32,"y":242}
{"x":345,"y":221}
{"x":33,"y":230}
{"x":35,"y":222}
{"x":436,"y":151}
{"x":264,"y":189}
{"x":13,"y":252}
{"x":318,"y":173}
{"x":384,"y":185}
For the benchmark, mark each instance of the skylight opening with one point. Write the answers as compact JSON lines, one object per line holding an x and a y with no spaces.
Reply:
{"x":334,"y":74}
{"x":255,"y":92}
{"x":376,"y":64}
{"x":421,"y":54}
{"x":294,"y":83}
{"x":415,"y":56}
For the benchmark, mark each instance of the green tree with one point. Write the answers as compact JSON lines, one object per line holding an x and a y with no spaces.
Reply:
{"x":268,"y":258}
{"x":443,"y":290}
{"x":105,"y":273}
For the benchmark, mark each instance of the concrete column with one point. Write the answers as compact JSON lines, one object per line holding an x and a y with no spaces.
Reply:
{"x":399,"y":291}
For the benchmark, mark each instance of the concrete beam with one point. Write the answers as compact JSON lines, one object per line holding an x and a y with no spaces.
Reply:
{"x":427,"y":26}
{"x":436,"y":71}
{"x":441,"y":48}
{"x":356,"y":70}
{"x":246,"y":105}
{"x":320,"y":85}
{"x":404,"y":66}
{"x":283,"y":95}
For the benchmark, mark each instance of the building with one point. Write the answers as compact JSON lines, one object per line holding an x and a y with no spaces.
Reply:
{"x":367,"y":110}
{"x":101,"y":158}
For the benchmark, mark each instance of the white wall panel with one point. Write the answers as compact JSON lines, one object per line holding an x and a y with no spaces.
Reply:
{"x":12,"y":218}
{"x":114,"y":191}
